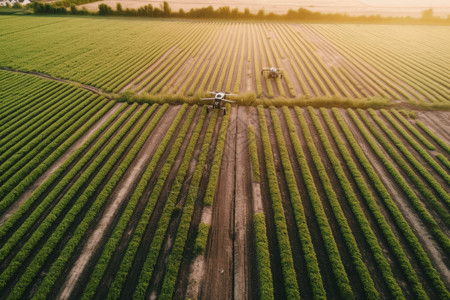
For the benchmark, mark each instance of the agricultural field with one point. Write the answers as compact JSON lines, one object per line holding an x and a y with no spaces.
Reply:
{"x":407,"y":63}
{"x":129,"y":200}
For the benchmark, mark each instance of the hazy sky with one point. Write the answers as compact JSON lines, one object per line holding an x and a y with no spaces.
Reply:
{"x":421,"y":3}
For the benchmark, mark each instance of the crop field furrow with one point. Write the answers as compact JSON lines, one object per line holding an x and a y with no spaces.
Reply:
{"x":324,"y":174}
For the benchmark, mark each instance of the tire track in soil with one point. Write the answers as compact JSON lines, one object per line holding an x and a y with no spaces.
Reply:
{"x":274,"y":250}
{"x":425,"y":238}
{"x":243,"y":247}
{"x":141,"y":254}
{"x":30,"y":190}
{"x":361,"y":242}
{"x":116,"y":258}
{"x":181,"y":286}
{"x":56,"y":222}
{"x":96,"y":237}
{"x":219,"y":268}
{"x":60,"y":246}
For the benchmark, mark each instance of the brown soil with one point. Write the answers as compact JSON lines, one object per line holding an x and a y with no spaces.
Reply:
{"x":218,"y":284}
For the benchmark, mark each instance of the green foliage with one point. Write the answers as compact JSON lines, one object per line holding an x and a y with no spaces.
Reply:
{"x":372,"y":204}
{"x":49,"y":221}
{"x":113,"y":241}
{"x":176,"y":255}
{"x":128,"y":258}
{"x":429,"y":196}
{"x":357,"y":210}
{"x":253,"y":153}
{"x":201,"y":239}
{"x":303,"y":231}
{"x":217,"y":160}
{"x":431,"y":134}
{"x":361,"y":269}
{"x":287,"y":263}
{"x":400,"y":221}
{"x":263,"y":257}
{"x":58,"y":266}
{"x":163,"y":223}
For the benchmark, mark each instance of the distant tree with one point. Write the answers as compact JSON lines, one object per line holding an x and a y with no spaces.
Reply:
{"x":17,"y":5}
{"x":7,"y":5}
{"x":104,"y":10}
{"x":427,"y":14}
{"x":73,"y":9}
{"x":181,"y":13}
{"x":119,"y":10}
{"x":166,"y":9}
{"x":261,"y":14}
{"x":246,"y":12}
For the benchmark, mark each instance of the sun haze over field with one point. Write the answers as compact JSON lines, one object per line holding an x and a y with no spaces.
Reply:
{"x":397,"y":8}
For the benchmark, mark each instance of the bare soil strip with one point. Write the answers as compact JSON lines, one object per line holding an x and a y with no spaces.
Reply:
{"x":242,"y":210}
{"x":218,"y":284}
{"x":55,"y":166}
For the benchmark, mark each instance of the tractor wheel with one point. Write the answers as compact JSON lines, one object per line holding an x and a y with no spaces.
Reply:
{"x":281,"y":76}
{"x":224,"y":112}
{"x":207,"y":109}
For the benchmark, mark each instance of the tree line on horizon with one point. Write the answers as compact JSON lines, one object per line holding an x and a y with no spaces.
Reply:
{"x":225,"y":12}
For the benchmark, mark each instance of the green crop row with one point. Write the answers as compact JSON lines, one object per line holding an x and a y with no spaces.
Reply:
{"x":400,"y":221}
{"x":14,"y":165}
{"x":61,"y":261}
{"x":303,"y":232}
{"x":419,"y":149}
{"x":18,"y":183}
{"x":413,"y":130}
{"x":440,"y":142}
{"x":391,"y":239}
{"x":355,"y":206}
{"x":163,"y":223}
{"x":263,"y":257}
{"x":217,"y":160}
{"x":40,"y":258}
{"x":26,"y":107}
{"x":114,"y":239}
{"x":34,"y":114}
{"x":60,"y":171}
{"x":201,"y":239}
{"x":413,"y":177}
{"x":419,"y":167}
{"x":322,"y":220}
{"x":176,"y":254}
{"x":253,"y":153}
{"x":443,"y":160}
{"x":128,"y":257}
{"x":59,"y":208}
{"x":30,"y":135}
{"x":287,"y":262}
{"x":344,"y":227}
